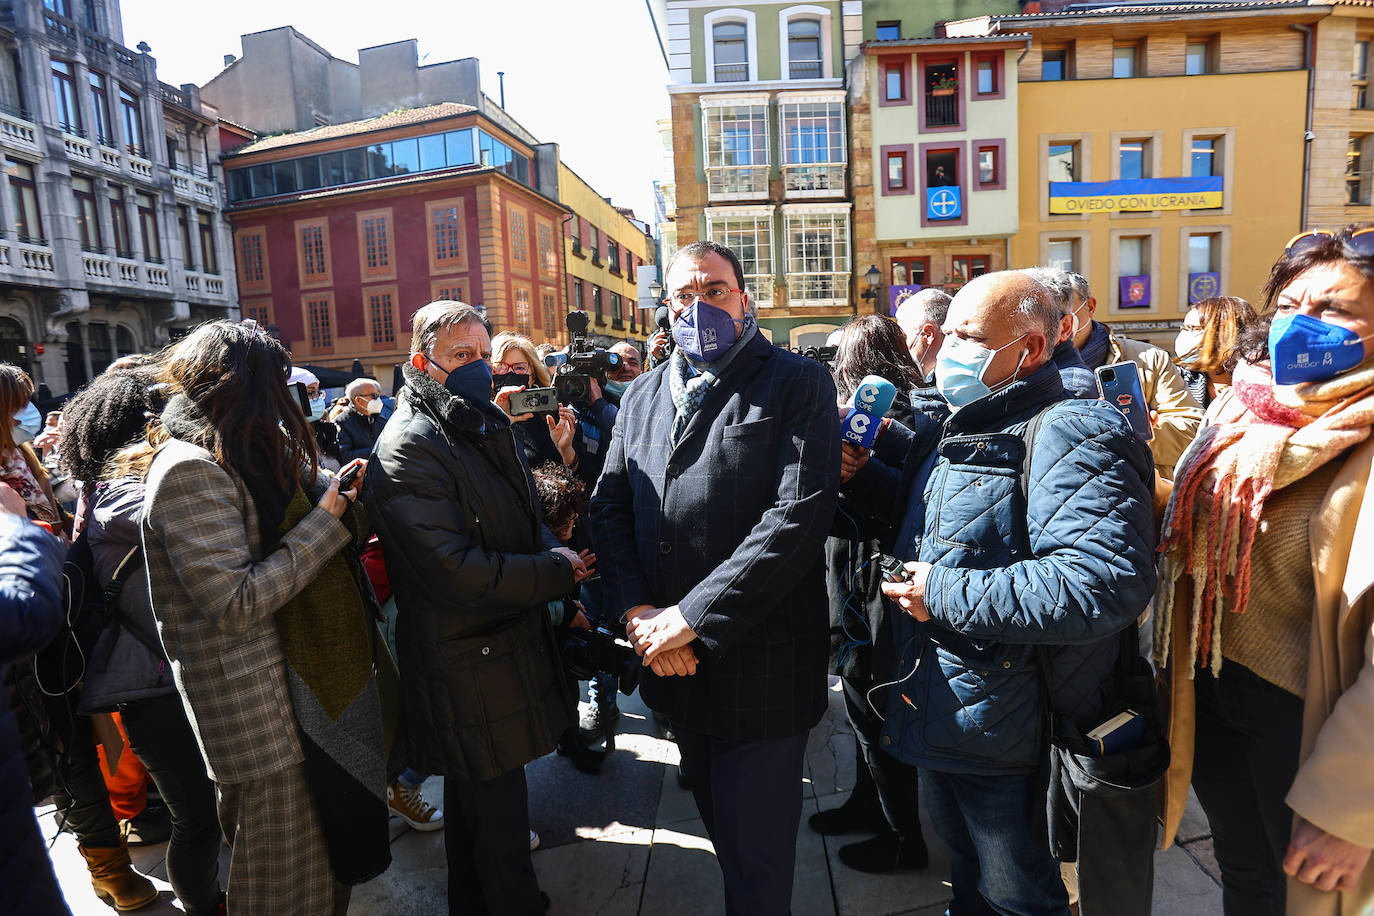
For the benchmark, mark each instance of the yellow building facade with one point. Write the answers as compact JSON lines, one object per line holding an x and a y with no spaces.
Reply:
{"x":604,"y":249}
{"x":1110,"y":96}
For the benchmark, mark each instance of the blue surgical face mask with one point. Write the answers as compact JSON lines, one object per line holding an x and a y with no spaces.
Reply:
{"x":317,"y":408}
{"x":471,"y":381}
{"x":30,"y":420}
{"x":1306,"y":349}
{"x":959,"y":369}
{"x":705,"y":332}
{"x":616,"y":388}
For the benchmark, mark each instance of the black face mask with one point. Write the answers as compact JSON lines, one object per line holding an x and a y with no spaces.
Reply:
{"x":508,"y":380}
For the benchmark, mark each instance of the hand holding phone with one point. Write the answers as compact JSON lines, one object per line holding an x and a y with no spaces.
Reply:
{"x":350,"y":475}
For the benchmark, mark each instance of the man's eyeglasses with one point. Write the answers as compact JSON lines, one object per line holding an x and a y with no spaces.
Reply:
{"x":713,"y":296}
{"x":1362,"y":240}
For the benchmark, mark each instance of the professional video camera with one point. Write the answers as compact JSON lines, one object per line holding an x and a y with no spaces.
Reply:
{"x":587,"y":653}
{"x":824,"y":355}
{"x":579,"y":363}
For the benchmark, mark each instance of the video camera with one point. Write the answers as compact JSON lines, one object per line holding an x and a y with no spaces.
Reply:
{"x":824,"y":355}
{"x":579,"y":363}
{"x":587,"y":653}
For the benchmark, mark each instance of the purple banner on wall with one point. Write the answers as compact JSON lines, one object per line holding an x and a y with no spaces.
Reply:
{"x":896,"y":295}
{"x":1203,"y":286}
{"x":1135,"y":291}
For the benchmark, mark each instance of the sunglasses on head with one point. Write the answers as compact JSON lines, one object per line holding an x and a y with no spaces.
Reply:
{"x":1362,"y":240}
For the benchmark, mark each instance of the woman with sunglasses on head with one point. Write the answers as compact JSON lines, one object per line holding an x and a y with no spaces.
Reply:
{"x":1205,"y":348}
{"x":244,"y":544}
{"x":1267,"y":596}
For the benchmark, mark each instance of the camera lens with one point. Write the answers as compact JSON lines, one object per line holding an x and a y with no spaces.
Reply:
{"x":1109,"y":375}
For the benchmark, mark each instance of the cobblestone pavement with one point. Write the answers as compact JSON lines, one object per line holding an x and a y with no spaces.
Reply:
{"x":630,"y":842}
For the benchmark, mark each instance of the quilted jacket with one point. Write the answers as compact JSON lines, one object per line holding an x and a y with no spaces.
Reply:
{"x":1068,"y":571}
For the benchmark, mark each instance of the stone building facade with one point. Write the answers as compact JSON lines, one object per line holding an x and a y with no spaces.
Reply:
{"x":110,"y":196}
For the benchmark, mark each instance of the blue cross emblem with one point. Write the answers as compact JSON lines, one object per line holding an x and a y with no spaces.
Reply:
{"x":942,"y":203}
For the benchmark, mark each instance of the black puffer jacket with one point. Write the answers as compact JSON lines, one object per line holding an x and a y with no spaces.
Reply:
{"x":468,"y":557}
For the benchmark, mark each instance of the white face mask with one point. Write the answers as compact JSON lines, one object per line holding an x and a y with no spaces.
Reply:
{"x":1077,"y":325}
{"x":1187,"y":346}
{"x":374,"y":407}
{"x":317,"y":408}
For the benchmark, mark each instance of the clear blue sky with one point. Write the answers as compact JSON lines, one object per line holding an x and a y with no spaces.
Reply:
{"x":588,"y":76}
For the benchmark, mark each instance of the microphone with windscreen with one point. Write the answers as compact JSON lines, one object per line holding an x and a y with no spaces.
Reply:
{"x":872,"y":400}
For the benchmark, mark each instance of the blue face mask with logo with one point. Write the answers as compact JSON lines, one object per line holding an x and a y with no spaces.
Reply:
{"x":1306,"y":349}
{"x":705,"y":332}
{"x":471,"y":381}
{"x":959,"y":369}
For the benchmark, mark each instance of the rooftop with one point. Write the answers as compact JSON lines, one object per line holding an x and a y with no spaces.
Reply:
{"x":400,"y":118}
{"x":985,"y":25}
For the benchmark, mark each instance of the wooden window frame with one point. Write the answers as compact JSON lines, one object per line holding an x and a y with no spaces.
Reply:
{"x":326,"y":277}
{"x":247,"y":282}
{"x":327,"y":298}
{"x":924,"y":261}
{"x":520,"y":268}
{"x":999,"y":181}
{"x":958,"y":147}
{"x":386,"y":246}
{"x":547,"y":270}
{"x":907,"y":152}
{"x":999,"y":75}
{"x":960,"y":75}
{"x":903,"y":65}
{"x":437,"y":289}
{"x":260,"y":310}
{"x":372,"y":328}
{"x":457,"y":264}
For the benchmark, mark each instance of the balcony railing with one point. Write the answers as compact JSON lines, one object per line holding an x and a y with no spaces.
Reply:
{"x":18,"y":130}
{"x":732,"y":73}
{"x":59,"y":27}
{"x":817,"y":288}
{"x":813,"y":180}
{"x":737,"y":181}
{"x":942,"y":110}
{"x":804,"y":70}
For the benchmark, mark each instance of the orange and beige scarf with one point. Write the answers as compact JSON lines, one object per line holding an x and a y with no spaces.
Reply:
{"x":1261,"y":437}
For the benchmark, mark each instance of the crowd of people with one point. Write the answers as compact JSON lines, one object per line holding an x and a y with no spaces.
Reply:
{"x":1047,"y":623}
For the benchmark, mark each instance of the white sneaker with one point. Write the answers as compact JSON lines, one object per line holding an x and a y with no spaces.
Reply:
{"x":534,"y":841}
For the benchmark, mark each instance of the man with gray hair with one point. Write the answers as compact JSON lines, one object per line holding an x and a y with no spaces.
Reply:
{"x":996,"y":577}
{"x":921,"y":317}
{"x":362,"y":423}
{"x":472,"y":568}
{"x":1078,"y":379}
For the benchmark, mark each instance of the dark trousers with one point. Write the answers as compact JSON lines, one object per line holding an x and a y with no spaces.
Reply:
{"x":160,"y":734}
{"x":82,"y":799}
{"x":1249,"y":734}
{"x":749,"y":794}
{"x":997,"y":864}
{"x":487,"y":841}
{"x":882,"y":783}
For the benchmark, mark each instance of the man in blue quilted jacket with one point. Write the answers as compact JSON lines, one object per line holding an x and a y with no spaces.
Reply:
{"x":997,"y":575}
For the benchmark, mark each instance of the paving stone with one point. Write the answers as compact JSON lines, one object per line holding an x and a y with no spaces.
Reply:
{"x":604,"y":877}
{"x":859,"y":894}
{"x":1182,"y":888}
{"x":1194,"y":825}
{"x":1205,"y":855}
{"x":830,"y":749}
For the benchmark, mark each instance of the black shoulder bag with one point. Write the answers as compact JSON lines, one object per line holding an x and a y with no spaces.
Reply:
{"x":1101,"y":808}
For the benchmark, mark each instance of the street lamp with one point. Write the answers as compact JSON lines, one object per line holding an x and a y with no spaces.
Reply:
{"x":656,"y":291}
{"x":872,"y":277}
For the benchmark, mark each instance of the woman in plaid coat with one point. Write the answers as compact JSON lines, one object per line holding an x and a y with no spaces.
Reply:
{"x":212,"y":493}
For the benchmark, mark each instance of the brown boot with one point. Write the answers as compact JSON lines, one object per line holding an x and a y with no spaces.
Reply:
{"x":114,"y":878}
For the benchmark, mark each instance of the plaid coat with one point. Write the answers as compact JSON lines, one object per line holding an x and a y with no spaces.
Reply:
{"x":730,"y":525}
{"x":215,"y":598}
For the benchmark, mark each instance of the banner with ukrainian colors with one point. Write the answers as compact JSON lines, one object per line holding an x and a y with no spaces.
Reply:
{"x":1135,"y":194}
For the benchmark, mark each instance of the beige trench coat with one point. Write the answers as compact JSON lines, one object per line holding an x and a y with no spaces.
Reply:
{"x":1334,"y":788}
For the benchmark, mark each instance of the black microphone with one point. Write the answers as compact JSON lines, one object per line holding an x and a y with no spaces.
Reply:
{"x":661,"y":319}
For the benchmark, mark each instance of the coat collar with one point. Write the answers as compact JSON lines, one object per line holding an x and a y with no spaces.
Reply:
{"x":743,"y":365}
{"x":456,"y":412}
{"x":1017,"y":401}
